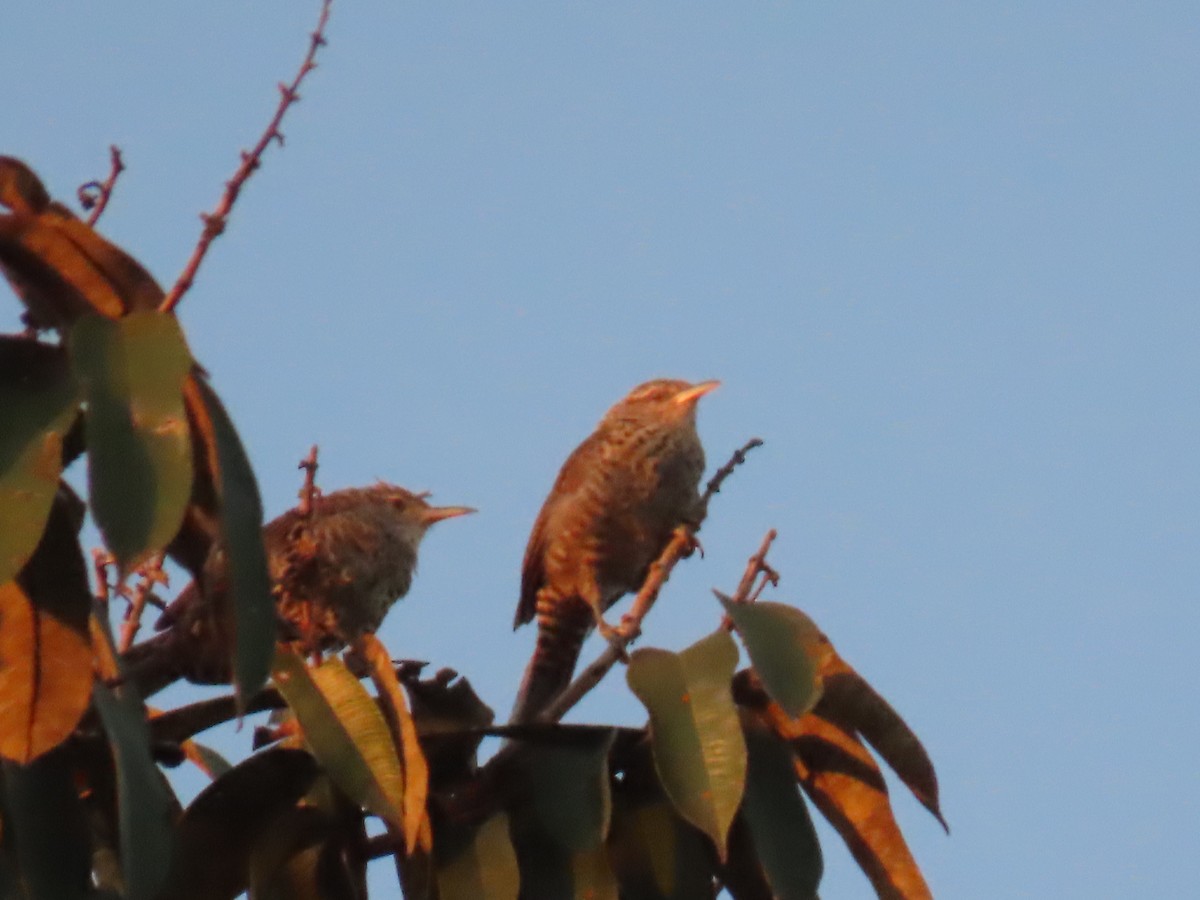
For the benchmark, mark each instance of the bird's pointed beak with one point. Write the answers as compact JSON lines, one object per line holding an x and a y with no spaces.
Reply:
{"x":695,"y":392}
{"x":437,"y":513}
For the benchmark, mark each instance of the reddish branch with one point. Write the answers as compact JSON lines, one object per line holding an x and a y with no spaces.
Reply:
{"x":214,"y":222}
{"x":308,"y":493}
{"x":149,"y":574}
{"x":757,"y":565}
{"x":94,"y":195}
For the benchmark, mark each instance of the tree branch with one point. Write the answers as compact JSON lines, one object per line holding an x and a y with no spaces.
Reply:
{"x":214,"y":222}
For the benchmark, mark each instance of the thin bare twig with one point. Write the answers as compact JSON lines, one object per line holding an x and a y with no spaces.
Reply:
{"x":309,"y":492}
{"x":94,"y":195}
{"x":150,"y":574}
{"x":214,"y":222}
{"x":757,"y":565}
{"x":682,"y":542}
{"x":718,"y":479}
{"x":101,"y":560}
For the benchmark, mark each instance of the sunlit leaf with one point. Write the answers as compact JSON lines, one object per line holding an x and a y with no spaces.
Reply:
{"x":38,"y":402}
{"x":240,"y":516}
{"x":222,"y":826}
{"x":20,"y":188}
{"x":851,"y":702}
{"x":404,"y":733}
{"x":60,"y":266}
{"x":139,"y":459}
{"x":63,"y":269}
{"x":45,"y":652}
{"x":698,"y":747}
{"x":44,"y":823}
{"x":45,"y":677}
{"x":478,"y":863}
{"x":846,"y":785}
{"x":783,"y":834}
{"x":346,"y":732}
{"x":785,"y":647}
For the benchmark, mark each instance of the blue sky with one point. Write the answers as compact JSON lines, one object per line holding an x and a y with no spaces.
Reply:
{"x":943,"y":259}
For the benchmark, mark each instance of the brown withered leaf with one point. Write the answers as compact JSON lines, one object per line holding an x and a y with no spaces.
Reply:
{"x":448,"y":712}
{"x":20,"y":188}
{"x":846,"y":784}
{"x":854,"y":705}
{"x":45,"y":650}
{"x":404,"y":733}
{"x":842,"y":779}
{"x":59,"y":266}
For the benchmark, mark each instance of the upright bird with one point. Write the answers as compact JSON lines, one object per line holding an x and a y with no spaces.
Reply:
{"x":618,"y":498}
{"x":335,"y":572}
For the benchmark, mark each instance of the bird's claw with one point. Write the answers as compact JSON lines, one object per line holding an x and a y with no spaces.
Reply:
{"x":621,"y":636}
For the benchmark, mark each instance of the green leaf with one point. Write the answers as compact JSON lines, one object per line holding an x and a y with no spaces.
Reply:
{"x":476,"y":864}
{"x":241,"y":515}
{"x":142,"y":797}
{"x":655,"y":854}
{"x":347,"y":733}
{"x":785,"y":647}
{"x":569,"y":788}
{"x":38,"y":400}
{"x":698,"y":748}
{"x":221,"y":829}
{"x":784,"y":837}
{"x":44,"y":823}
{"x":139,"y":459}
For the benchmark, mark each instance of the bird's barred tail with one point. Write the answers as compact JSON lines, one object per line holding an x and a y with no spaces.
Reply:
{"x":563,"y":624}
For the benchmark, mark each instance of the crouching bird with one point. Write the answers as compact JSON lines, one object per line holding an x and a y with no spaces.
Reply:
{"x":616,"y":502}
{"x":335,"y":572}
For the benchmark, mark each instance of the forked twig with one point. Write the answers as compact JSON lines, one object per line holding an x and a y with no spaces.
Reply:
{"x":94,"y":195}
{"x":150,"y":574}
{"x":756,"y":566}
{"x":214,"y":222}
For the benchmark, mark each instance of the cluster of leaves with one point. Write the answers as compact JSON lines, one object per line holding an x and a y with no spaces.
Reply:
{"x":708,"y":796}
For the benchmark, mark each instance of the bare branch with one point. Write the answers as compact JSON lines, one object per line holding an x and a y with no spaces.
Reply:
{"x":714,"y":483}
{"x":94,"y":195}
{"x":309,"y":492}
{"x":214,"y":222}
{"x":756,"y":566}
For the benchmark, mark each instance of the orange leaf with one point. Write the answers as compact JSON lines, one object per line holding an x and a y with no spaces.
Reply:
{"x":856,"y":706}
{"x":404,"y":732}
{"x":45,"y":653}
{"x":45,"y":677}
